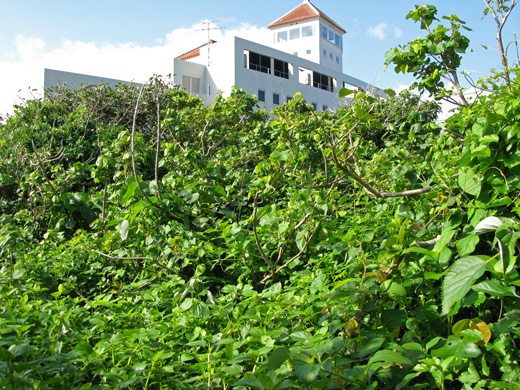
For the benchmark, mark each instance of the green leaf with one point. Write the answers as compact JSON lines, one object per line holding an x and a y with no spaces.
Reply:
{"x":306,"y":372}
{"x":456,"y":348}
{"x":250,"y":382}
{"x":467,"y":244}
{"x":469,"y":182}
{"x":459,"y":279}
{"x":494,"y":288}
{"x":277,"y":358}
{"x":18,"y":274}
{"x":130,"y":190}
{"x":371,"y":346}
{"x":281,"y":156}
{"x":393,"y":319}
{"x":345,"y":92}
{"x":387,"y":356}
{"x":201,"y":310}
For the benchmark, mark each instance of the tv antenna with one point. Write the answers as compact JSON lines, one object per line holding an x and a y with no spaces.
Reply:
{"x":208,"y":28}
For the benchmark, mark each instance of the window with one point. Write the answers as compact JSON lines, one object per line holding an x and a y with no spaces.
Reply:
{"x":281,"y":36}
{"x":325,"y":52}
{"x":324,"y":31}
{"x":191,"y":84}
{"x":261,"y":95}
{"x":276,"y":98}
{"x":209,"y":89}
{"x":308,"y":51}
{"x":289,"y":98}
{"x":281,"y":69}
{"x":325,"y":108}
{"x":337,"y":40}
{"x":331,"y":56}
{"x":322,"y":81}
{"x":337,"y":60}
{"x":315,"y":106}
{"x":307,"y":31}
{"x":195,"y":85}
{"x":294,"y":33}
{"x":331,"y":36}
{"x":259,"y":62}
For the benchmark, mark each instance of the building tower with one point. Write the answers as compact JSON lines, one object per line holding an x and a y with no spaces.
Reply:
{"x":308,"y":33}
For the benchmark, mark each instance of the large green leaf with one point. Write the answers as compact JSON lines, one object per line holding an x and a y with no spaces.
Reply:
{"x":277,"y":358}
{"x":306,"y":372}
{"x":387,"y":356}
{"x":469,"y":182}
{"x":459,"y":279}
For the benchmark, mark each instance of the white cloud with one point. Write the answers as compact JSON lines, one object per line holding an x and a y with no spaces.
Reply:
{"x":397,"y":32}
{"x":127,"y":61}
{"x":379,"y":31}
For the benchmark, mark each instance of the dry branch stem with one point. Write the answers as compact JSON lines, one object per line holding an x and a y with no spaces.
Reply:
{"x":257,"y":241}
{"x":301,"y":252}
{"x":41,"y":168}
{"x":132,"y":258}
{"x":372,"y":191}
{"x":133,"y":154}
{"x":157,"y":150}
{"x":425,"y":244}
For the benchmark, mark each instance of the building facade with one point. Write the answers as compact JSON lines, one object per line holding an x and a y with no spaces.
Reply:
{"x":306,"y":56}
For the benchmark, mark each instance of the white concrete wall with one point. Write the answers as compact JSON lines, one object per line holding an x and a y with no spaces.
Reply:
{"x":58,"y":78}
{"x":302,"y":44}
{"x":251,"y":80}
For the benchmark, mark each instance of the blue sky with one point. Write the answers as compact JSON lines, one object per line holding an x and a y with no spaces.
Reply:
{"x":132,"y":39}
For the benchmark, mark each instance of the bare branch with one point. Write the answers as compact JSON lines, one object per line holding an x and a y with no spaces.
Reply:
{"x":301,"y":252}
{"x":158,"y":149}
{"x":425,"y":244}
{"x":38,"y":159}
{"x":257,"y":241}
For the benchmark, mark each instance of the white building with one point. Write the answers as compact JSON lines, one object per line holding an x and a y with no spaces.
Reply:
{"x":306,"y":56}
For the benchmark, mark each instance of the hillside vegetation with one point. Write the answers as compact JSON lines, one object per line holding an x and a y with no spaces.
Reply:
{"x":150,"y":242}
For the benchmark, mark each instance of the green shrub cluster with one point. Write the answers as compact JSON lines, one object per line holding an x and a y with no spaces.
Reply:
{"x":150,"y":242}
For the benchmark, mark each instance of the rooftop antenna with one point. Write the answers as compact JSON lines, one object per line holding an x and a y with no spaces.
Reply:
{"x":207,"y":24}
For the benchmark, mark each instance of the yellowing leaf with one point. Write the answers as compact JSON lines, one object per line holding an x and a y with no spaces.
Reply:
{"x":483,"y":328}
{"x":351,"y":327}
{"x":380,"y":276}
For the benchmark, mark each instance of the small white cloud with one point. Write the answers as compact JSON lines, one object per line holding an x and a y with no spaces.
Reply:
{"x":397,"y":32}
{"x":379,"y":31}
{"x":29,"y":48}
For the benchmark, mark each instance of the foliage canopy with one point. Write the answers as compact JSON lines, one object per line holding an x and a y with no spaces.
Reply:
{"x":149,"y":241}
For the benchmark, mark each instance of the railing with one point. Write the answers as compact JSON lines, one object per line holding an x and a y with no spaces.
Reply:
{"x":323,"y":86}
{"x":279,"y":73}
{"x":260,"y":68}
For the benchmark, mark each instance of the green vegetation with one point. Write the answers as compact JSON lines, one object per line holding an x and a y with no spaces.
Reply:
{"x":150,"y":242}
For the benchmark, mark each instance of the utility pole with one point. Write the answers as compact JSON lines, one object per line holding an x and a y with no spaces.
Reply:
{"x":208,"y":27}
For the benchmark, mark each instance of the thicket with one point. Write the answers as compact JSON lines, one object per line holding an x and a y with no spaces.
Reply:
{"x":149,"y":241}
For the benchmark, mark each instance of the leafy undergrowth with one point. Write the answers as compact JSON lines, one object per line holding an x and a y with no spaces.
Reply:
{"x":150,"y":242}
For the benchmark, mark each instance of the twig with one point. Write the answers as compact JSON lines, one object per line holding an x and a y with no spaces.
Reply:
{"x":257,"y":241}
{"x":157,"y":150}
{"x":132,"y":258}
{"x":425,"y":244}
{"x":307,"y":241}
{"x":133,"y":156}
{"x":41,"y":168}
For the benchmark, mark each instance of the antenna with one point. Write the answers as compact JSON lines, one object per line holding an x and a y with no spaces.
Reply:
{"x":208,"y":23}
